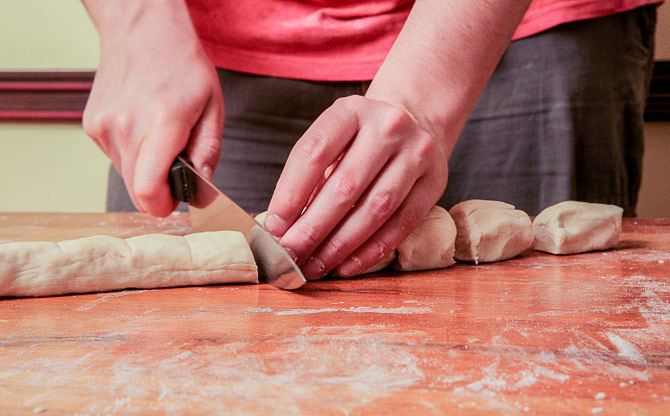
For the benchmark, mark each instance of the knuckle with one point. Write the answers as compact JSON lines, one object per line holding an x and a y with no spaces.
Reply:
{"x":313,"y":148}
{"x":345,"y":188}
{"x":425,"y":145}
{"x":94,"y":124}
{"x":337,"y":249}
{"x":382,"y":204}
{"x":411,"y":216}
{"x":396,"y":120}
{"x":289,"y":201}
{"x":351,"y":101}
{"x":381,"y":248}
{"x":309,"y":233}
{"x":163,"y":113}
{"x":120,"y":123}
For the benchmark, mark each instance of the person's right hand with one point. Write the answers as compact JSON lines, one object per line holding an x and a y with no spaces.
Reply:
{"x":155,"y":94}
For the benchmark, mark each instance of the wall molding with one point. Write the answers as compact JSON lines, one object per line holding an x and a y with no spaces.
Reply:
{"x":658,"y":103}
{"x":44,"y":95}
{"x":62,"y":95}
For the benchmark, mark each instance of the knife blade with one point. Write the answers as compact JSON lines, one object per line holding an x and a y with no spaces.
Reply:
{"x":211,"y":210}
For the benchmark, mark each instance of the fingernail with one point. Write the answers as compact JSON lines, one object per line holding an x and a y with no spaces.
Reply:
{"x":276,"y":225}
{"x":313,"y":268}
{"x":351,"y":266}
{"x":291,"y":254}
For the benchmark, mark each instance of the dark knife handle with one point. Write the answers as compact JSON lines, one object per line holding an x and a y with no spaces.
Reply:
{"x":182,"y":180}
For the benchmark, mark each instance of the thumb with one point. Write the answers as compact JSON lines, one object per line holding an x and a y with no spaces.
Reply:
{"x":204,"y":146}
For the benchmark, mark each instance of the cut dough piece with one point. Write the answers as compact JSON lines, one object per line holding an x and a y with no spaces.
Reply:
{"x":575,"y":227}
{"x":260,"y":218}
{"x":104,"y":263}
{"x":430,"y":245}
{"x":383,"y":263}
{"x":490,"y":230}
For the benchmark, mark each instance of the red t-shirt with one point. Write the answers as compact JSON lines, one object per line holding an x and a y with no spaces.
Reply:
{"x":339,"y":40}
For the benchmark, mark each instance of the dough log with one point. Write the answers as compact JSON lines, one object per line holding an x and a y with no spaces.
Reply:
{"x":575,"y":227}
{"x":104,"y":263}
{"x":490,"y":231}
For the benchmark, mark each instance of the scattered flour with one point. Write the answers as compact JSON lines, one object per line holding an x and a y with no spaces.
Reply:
{"x":103,"y":297}
{"x":404,"y":310}
{"x":626,"y":349}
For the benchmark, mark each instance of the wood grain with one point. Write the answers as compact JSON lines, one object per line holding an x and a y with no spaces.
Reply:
{"x":539,"y":334}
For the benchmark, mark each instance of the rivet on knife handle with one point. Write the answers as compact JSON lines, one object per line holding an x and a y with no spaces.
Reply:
{"x":182,"y":182}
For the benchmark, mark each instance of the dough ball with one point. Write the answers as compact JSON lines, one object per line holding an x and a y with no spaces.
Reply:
{"x":575,"y":227}
{"x":490,"y":231}
{"x":260,"y":218}
{"x":430,"y":245}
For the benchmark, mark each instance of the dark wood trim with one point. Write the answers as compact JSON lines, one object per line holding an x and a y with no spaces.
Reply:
{"x":44,"y":95}
{"x":48,"y":95}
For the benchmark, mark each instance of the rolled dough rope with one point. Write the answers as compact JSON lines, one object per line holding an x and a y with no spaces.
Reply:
{"x":490,"y":230}
{"x":104,"y":263}
{"x":575,"y":227}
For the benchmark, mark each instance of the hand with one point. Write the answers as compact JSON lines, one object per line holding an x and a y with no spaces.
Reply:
{"x":390,"y":172}
{"x":155,"y":94}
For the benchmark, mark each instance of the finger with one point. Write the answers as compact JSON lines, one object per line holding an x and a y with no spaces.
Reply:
{"x":406,"y":218}
{"x":353,"y":175}
{"x":319,"y":147}
{"x":322,"y":180}
{"x":127,"y":172}
{"x":204,"y":146}
{"x":112,"y":131}
{"x":375,"y":208}
{"x":158,"y":150}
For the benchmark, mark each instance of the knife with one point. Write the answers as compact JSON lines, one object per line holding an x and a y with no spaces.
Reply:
{"x":212,"y":210}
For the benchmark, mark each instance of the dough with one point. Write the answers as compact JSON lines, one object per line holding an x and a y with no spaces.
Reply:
{"x":490,"y":230}
{"x":260,"y":218}
{"x":382,"y":264}
{"x":104,"y":263}
{"x":575,"y":227}
{"x":430,"y":245}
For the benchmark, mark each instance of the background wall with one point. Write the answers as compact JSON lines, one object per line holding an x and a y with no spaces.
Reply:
{"x":49,"y":166}
{"x":56,"y":167}
{"x":655,"y":192}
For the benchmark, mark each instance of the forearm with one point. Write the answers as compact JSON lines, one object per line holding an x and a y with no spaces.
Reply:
{"x":443,"y":58}
{"x":128,"y":22}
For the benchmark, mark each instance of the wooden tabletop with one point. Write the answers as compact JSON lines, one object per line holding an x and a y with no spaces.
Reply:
{"x":539,"y":334}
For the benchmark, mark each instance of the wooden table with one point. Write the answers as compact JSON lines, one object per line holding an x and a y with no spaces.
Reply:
{"x":539,"y":334}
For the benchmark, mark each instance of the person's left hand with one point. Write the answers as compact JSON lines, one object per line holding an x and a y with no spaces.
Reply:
{"x":390,"y":171}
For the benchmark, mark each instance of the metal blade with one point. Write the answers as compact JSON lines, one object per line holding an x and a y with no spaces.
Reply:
{"x":212,"y":210}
